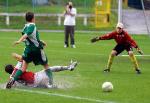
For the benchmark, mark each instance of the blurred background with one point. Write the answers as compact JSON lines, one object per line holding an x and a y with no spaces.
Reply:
{"x":92,"y":14}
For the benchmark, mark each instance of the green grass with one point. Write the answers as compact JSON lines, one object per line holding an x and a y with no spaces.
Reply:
{"x":88,"y":77}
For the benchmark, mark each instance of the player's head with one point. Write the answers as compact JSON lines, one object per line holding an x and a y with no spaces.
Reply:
{"x":119,"y":27}
{"x":9,"y":68}
{"x":29,"y":17}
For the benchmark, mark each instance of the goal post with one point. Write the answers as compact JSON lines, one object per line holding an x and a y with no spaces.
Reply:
{"x":119,"y":10}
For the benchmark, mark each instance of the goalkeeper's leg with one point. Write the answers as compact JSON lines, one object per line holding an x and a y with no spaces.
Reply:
{"x":134,"y":60}
{"x":110,"y":60}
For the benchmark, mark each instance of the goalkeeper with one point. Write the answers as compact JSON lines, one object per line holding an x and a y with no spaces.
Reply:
{"x":124,"y":42}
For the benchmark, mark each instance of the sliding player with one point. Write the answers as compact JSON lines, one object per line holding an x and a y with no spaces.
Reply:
{"x":38,"y":79}
{"x":124,"y":42}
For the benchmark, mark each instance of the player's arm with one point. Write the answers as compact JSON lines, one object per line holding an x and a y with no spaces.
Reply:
{"x":43,"y":43}
{"x":13,"y":73}
{"x":21,"y":39}
{"x":95,"y":39}
{"x":29,"y":31}
{"x":104,"y":37}
{"x":134,"y":44}
{"x":139,"y":51}
{"x":17,"y":56}
{"x":12,"y":78}
{"x":17,"y":67}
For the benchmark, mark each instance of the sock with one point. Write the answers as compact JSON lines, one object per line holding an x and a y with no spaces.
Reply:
{"x":133,"y":59}
{"x":58,"y":68}
{"x":17,"y":74}
{"x":110,"y":60}
{"x":50,"y":76}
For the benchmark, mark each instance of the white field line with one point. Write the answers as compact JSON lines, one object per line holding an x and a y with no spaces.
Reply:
{"x":136,"y":55}
{"x":53,"y":41}
{"x":65,"y":96}
{"x":56,"y":51}
{"x":79,"y":53}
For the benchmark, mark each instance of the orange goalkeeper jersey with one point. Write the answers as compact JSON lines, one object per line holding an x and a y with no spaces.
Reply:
{"x":123,"y":38}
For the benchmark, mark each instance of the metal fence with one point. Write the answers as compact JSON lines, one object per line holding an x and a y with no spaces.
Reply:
{"x":49,"y":13}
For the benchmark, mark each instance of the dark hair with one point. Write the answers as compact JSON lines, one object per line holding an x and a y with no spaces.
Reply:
{"x":9,"y":68}
{"x":29,"y":16}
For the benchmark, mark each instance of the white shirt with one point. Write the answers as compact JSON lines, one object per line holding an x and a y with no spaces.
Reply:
{"x":40,"y":78}
{"x":70,"y":20}
{"x":19,"y":65}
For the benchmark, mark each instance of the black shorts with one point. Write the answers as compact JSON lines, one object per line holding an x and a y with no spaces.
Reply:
{"x":37,"y":56}
{"x":121,"y":47}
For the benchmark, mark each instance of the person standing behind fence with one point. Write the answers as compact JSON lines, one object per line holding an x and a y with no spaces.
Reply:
{"x":69,"y":24}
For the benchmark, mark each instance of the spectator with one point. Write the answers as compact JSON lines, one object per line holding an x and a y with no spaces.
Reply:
{"x":69,"y":24}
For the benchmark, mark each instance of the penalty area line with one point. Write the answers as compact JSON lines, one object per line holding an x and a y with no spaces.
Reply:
{"x":136,"y":55}
{"x":65,"y":96}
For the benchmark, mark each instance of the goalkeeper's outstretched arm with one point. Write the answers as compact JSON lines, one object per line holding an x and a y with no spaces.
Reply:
{"x":95,"y":39}
{"x":103,"y":37}
{"x":139,"y":51}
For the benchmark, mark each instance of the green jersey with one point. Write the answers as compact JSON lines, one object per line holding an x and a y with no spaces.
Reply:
{"x":33,"y":39}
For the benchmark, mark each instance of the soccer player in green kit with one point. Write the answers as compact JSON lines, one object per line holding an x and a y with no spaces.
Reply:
{"x":33,"y":51}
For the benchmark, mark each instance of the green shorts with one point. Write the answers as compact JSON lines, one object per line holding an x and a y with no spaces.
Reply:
{"x":35,"y":55}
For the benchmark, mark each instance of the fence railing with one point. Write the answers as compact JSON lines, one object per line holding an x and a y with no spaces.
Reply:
{"x":59,"y":17}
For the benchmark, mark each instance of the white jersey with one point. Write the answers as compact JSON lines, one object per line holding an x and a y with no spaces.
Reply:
{"x":40,"y":78}
{"x":70,"y":20}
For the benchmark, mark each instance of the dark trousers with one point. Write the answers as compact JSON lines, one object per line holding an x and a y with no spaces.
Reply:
{"x":69,"y":31}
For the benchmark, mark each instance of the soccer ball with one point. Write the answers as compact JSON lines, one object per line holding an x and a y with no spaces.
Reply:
{"x":107,"y":87}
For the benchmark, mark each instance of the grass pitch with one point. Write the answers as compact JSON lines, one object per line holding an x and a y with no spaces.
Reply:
{"x":83,"y":85}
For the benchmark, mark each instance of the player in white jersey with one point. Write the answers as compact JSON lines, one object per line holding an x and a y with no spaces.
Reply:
{"x":38,"y":79}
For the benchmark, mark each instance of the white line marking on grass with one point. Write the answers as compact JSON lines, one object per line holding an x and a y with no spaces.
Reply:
{"x":136,"y":55}
{"x":65,"y":96}
{"x":79,"y":53}
{"x":58,"y":51}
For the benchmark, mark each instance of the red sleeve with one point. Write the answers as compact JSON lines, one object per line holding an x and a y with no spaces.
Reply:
{"x":132,"y":42}
{"x":107,"y":36}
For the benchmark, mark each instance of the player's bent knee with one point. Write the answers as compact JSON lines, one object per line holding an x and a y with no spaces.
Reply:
{"x":130,"y":53}
{"x":113,"y":53}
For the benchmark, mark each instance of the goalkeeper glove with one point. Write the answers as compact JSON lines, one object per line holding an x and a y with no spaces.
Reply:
{"x":94,"y":39}
{"x":139,"y":51}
